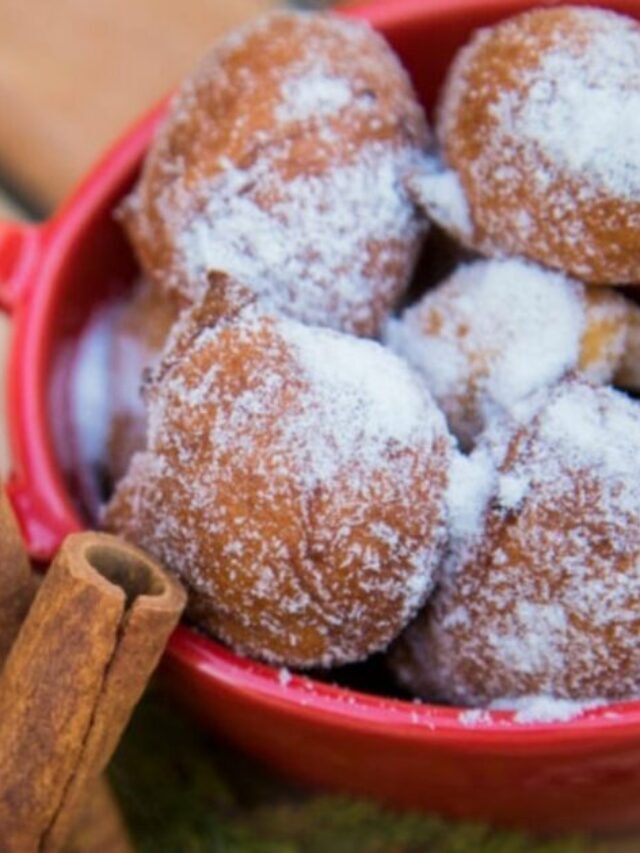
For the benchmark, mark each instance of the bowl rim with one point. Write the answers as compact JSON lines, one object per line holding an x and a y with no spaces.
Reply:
{"x":38,"y":479}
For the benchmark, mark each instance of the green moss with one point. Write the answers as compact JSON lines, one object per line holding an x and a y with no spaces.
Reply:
{"x":184,"y":793}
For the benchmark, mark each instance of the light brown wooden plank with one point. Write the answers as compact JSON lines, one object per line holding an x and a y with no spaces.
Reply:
{"x":74,"y":73}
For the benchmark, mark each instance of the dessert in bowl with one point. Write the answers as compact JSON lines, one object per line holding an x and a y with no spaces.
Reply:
{"x":493,"y":765}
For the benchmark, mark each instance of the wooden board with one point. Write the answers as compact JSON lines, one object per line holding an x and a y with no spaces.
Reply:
{"x":75,"y":73}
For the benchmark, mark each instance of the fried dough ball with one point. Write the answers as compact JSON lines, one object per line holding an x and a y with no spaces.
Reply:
{"x":542,"y":594}
{"x":140,"y":330}
{"x":281,"y":163}
{"x":295,"y":480}
{"x":495,"y":331}
{"x":539,"y":124}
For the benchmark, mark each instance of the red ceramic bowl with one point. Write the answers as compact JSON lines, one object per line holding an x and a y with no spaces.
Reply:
{"x":582,"y":773}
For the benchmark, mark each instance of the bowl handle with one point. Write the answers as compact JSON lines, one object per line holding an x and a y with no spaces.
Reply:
{"x":20,"y":251}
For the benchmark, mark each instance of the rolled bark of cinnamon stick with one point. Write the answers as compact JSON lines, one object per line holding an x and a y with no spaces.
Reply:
{"x":17,"y":583}
{"x":98,"y":827}
{"x":91,"y":640}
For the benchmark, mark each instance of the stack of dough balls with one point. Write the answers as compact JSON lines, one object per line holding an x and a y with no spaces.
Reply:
{"x":463,"y":489}
{"x":538,"y":170}
{"x":292,"y":475}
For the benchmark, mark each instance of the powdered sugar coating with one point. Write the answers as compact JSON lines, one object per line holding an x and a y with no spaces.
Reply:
{"x":317,"y":229}
{"x":282,"y":163}
{"x":547,"y":600}
{"x":594,"y":124}
{"x":438,"y":191}
{"x":471,"y":485}
{"x":529,"y":711}
{"x":549,"y":102}
{"x":313,"y":93}
{"x":544,"y":709}
{"x":120,"y":340}
{"x":91,"y":404}
{"x":496,"y":331}
{"x":295,"y":479}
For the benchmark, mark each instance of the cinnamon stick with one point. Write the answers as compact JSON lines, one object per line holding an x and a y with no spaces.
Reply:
{"x":89,"y":644}
{"x":99,"y":828}
{"x":17,"y":583}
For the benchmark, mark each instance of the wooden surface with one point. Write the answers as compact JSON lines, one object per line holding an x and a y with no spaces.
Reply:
{"x":75,"y":73}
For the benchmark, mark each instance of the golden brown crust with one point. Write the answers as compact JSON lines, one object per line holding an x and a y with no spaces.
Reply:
{"x":607,"y":323}
{"x":545,"y":174}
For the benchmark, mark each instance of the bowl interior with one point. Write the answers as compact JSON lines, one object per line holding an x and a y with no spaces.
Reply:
{"x":89,"y":262}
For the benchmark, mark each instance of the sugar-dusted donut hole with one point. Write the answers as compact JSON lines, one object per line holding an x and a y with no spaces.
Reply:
{"x":495,"y":331}
{"x":281,"y":163}
{"x":538,"y":124}
{"x":541,"y":593}
{"x":295,"y":479}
